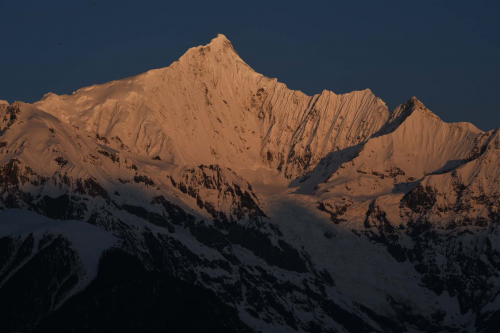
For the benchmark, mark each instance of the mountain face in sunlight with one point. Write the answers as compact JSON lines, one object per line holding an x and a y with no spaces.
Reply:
{"x":206,"y":196}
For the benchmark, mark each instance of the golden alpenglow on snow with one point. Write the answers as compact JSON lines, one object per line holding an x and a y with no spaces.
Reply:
{"x":206,"y":197}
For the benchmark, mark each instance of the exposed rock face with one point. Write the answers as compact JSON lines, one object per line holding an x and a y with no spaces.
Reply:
{"x":130,"y":196}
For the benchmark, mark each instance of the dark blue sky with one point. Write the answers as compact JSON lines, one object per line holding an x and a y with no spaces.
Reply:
{"x":447,"y":53}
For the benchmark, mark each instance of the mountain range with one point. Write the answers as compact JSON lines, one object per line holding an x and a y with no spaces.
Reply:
{"x":206,"y":196}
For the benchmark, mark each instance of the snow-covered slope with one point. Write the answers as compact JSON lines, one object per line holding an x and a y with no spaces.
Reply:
{"x":202,"y":224}
{"x":414,"y":143}
{"x":87,"y":240}
{"x":208,"y":186}
{"x":46,"y":260}
{"x":429,"y":193}
{"x":211,"y":107}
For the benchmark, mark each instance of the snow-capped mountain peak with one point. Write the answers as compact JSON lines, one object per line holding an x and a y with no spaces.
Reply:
{"x":266,"y":208}
{"x":211,"y":107}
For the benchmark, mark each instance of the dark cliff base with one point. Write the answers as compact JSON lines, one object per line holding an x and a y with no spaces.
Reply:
{"x":126,"y":298}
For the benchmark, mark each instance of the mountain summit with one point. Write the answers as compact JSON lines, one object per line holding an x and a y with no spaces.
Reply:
{"x":206,"y":196}
{"x":211,"y":107}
